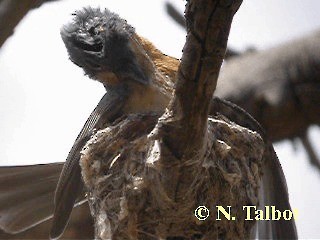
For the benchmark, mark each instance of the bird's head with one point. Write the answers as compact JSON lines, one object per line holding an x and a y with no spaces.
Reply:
{"x":104,"y":45}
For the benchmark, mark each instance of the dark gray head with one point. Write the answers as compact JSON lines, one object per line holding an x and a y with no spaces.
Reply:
{"x":100,"y":43}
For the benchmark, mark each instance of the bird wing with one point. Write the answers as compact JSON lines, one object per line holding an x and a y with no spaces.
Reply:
{"x":273,"y":190}
{"x":70,"y":184}
{"x":26,"y":194}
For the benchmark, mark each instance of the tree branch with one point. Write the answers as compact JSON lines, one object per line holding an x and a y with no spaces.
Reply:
{"x":208,"y":25}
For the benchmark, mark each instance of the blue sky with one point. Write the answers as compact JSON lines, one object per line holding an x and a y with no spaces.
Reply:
{"x":45,"y":99}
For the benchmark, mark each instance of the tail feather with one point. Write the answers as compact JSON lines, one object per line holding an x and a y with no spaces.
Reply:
{"x":274,"y":192}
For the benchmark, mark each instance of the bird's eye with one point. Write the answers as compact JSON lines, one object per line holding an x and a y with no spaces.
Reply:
{"x":92,"y":31}
{"x":95,"y":30}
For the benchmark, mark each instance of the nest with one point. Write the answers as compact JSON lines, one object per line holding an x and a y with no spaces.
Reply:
{"x":137,"y":189}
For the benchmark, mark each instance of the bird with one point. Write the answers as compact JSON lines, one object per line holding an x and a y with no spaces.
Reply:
{"x":138,"y":78}
{"x":108,"y":50}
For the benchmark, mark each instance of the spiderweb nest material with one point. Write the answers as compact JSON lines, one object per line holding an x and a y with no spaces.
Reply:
{"x":139,"y":190}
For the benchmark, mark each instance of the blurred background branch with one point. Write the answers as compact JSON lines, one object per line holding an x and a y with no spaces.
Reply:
{"x":12,"y":12}
{"x":279,"y":87}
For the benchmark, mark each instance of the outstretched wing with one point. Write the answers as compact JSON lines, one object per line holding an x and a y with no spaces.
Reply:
{"x":26,"y":194}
